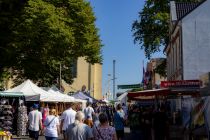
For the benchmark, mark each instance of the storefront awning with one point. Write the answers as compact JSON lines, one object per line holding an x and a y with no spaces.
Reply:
{"x":11,"y":94}
{"x":167,"y":92}
{"x":147,"y":94}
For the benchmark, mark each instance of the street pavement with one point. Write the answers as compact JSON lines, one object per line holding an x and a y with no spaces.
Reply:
{"x":127,"y":136}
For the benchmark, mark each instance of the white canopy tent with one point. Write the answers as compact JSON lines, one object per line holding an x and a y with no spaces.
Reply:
{"x":34,"y":93}
{"x":29,"y":90}
{"x":65,"y":97}
{"x":122,"y":98}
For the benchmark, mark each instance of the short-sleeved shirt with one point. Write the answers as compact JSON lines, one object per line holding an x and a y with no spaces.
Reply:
{"x":88,"y":111}
{"x":34,"y":118}
{"x":125,"y":109}
{"x":51,"y":124}
{"x":119,"y":120}
{"x":69,"y":117}
{"x":79,"y":132}
{"x":106,"y":133}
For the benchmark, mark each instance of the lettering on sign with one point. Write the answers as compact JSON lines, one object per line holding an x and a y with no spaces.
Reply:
{"x":183,"y":83}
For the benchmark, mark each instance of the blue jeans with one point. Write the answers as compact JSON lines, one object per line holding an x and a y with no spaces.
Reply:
{"x":50,"y":138}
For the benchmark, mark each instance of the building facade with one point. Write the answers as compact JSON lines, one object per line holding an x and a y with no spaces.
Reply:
{"x":189,"y":48}
{"x":86,"y":75}
{"x":153,"y":79}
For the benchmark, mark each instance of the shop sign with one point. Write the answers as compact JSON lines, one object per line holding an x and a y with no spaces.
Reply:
{"x":180,"y":83}
{"x":129,"y":86}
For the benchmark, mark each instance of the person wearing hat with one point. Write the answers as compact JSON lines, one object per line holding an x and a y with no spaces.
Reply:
{"x":35,"y":122}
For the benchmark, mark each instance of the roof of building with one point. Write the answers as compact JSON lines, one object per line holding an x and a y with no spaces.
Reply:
{"x":184,"y":8}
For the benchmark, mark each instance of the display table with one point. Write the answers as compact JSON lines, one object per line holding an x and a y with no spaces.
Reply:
{"x":5,"y":135}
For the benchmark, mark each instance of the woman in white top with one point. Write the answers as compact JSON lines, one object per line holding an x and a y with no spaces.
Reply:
{"x":51,"y":126}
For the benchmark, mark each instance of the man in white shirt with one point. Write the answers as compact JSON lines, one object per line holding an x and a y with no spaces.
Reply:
{"x":89,"y":112}
{"x":35,"y":122}
{"x":67,"y":118}
{"x":125,"y":109}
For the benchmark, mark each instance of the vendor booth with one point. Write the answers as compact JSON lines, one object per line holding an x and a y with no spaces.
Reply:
{"x":30,"y":91}
{"x":66,"y":98}
{"x":47,"y":100}
{"x":82,"y":96}
{"x":9,"y":103}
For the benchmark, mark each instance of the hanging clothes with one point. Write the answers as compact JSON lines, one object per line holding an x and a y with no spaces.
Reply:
{"x":22,"y":121}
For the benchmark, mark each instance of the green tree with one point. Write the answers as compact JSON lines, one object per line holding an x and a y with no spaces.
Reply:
{"x":161,"y":69}
{"x":151,"y":30}
{"x":42,"y":34}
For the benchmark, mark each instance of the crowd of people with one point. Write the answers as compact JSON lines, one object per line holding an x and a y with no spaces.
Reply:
{"x":148,"y":123}
{"x":100,"y":123}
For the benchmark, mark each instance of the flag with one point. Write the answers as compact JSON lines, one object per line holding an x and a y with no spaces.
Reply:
{"x":143,"y":76}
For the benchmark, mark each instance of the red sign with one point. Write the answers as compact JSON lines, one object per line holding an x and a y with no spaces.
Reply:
{"x":181,"y":83}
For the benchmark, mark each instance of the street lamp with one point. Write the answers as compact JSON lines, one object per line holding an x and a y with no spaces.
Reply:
{"x":107,"y":86}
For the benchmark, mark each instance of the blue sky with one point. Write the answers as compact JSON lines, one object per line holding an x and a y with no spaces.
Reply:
{"x":114,"y":20}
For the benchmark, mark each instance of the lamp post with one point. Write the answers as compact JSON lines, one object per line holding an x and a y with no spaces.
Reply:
{"x":114,"y":79}
{"x":107,"y":87}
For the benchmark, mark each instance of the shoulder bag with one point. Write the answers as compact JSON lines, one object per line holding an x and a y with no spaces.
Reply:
{"x":50,"y":122}
{"x":99,"y":133}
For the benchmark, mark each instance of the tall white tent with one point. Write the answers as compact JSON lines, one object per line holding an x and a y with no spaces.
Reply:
{"x":27,"y":88}
{"x":32,"y":92}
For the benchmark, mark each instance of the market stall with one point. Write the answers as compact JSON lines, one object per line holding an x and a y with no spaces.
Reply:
{"x":148,"y":94}
{"x":82,"y":96}
{"x":122,"y":98}
{"x":30,"y":91}
{"x":78,"y":103}
{"x":9,"y":102}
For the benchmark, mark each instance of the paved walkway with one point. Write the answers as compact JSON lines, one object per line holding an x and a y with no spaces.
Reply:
{"x":175,"y":134}
{"x":127,"y":136}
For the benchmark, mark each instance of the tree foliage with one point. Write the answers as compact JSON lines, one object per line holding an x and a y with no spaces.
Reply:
{"x":151,"y":29}
{"x":39,"y":35}
{"x":161,"y":69}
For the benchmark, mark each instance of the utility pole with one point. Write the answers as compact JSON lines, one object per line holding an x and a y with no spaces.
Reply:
{"x":114,"y":79}
{"x":108,"y":93}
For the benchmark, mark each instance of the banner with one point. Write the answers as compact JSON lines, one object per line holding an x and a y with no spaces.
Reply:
{"x":186,"y":110}
{"x":198,"y":114}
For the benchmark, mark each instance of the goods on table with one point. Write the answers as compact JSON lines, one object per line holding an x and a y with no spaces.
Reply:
{"x":5,"y":135}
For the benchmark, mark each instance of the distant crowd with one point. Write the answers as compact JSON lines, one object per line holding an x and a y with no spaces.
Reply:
{"x":100,"y":122}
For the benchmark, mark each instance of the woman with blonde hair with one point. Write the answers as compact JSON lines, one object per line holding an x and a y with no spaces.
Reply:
{"x":51,"y":126}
